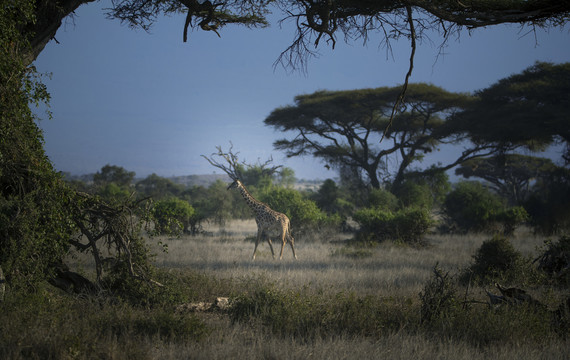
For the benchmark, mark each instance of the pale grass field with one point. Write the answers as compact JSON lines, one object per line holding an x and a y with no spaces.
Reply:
{"x":389,"y":270}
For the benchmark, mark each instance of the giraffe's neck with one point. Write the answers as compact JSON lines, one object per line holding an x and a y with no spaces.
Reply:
{"x":252,"y":202}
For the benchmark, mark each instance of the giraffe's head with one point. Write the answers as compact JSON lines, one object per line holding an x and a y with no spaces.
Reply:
{"x":234,"y":184}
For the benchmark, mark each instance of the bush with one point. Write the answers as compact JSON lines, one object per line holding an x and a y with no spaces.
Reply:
{"x":411,"y":193}
{"x":510,"y":218}
{"x":173,"y":216}
{"x":498,"y":260}
{"x":302,"y":212}
{"x":408,"y":225}
{"x":554,"y":260}
{"x":382,"y":199}
{"x":549,"y":207}
{"x":471,"y":207}
{"x":411,"y":224}
{"x":438,"y":297}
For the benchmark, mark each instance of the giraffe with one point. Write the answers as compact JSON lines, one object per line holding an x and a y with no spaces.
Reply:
{"x":268,"y":221}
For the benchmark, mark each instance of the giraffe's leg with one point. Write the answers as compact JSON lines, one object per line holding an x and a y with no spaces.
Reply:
{"x":282,"y":245}
{"x":292,"y":242}
{"x":271,"y":246}
{"x":256,"y":243}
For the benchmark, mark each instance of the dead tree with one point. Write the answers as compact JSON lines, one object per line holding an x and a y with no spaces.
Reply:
{"x":233,"y":167}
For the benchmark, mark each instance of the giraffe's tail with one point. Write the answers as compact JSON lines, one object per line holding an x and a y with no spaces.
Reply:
{"x":289,"y":231}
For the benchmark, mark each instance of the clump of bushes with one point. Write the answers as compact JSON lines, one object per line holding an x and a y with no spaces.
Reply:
{"x":449,"y":313}
{"x":173,"y":216}
{"x":555,"y":261}
{"x":408,"y":225}
{"x":471,"y":207}
{"x":498,"y":260}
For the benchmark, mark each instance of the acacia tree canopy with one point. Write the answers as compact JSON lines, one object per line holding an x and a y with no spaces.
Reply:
{"x":344,"y":128}
{"x":511,"y":175}
{"x":528,"y":109}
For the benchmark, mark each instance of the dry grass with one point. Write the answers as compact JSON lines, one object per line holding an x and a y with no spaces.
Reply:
{"x":384,"y":270}
{"x":221,"y":264}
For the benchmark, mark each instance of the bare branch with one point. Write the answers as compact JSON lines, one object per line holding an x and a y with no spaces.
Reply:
{"x":233,"y":165}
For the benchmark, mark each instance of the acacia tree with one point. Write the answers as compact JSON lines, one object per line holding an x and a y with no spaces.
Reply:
{"x":344,"y":128}
{"x":511,"y":175}
{"x":529,"y":109}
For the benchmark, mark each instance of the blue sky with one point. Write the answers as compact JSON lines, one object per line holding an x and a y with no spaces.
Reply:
{"x":153,"y":104}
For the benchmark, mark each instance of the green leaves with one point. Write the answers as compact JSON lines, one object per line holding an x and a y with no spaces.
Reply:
{"x":529,"y":108}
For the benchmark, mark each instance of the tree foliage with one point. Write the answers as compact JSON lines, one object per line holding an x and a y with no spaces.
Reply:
{"x":528,"y":109}
{"x":331,"y":199}
{"x":472,"y":207}
{"x":302,"y":212}
{"x":510,"y":175}
{"x":407,"y":225}
{"x":33,"y":198}
{"x":158,"y":187}
{"x":173,"y":215}
{"x":344,"y":128}
{"x":113,"y":174}
{"x":117,"y":228}
{"x":549,"y":204}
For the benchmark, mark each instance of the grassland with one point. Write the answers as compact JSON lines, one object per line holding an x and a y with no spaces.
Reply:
{"x":337,"y":301}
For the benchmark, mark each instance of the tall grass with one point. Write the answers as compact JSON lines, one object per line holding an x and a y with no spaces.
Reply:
{"x":340,"y":300}
{"x":326,"y":262}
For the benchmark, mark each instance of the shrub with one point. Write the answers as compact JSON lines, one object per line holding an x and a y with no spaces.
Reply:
{"x":511,"y":217}
{"x":408,"y":225}
{"x":302,"y":212}
{"x":498,"y":260}
{"x":173,"y":215}
{"x":471,"y":207}
{"x":411,"y":224}
{"x":438,"y":297}
{"x":411,"y":193}
{"x":376,"y":222}
{"x":382,"y":199}
{"x":554,"y":260}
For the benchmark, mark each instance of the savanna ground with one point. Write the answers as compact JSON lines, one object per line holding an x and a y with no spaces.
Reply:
{"x":337,"y":301}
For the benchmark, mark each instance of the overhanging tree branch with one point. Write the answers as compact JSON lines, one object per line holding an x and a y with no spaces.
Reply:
{"x":400,"y":98}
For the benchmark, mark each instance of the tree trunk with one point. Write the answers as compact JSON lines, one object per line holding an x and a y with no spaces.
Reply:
{"x":373,"y":176}
{"x":49,"y":15}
